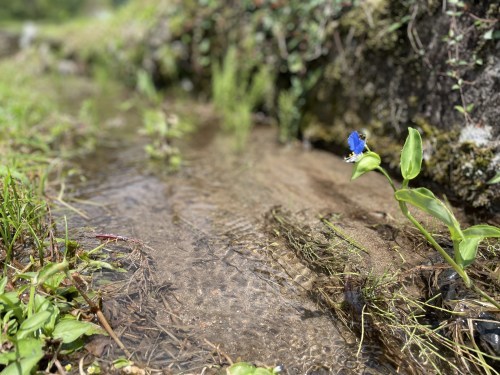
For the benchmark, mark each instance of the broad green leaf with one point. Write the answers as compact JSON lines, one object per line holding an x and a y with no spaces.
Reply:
{"x":366,"y":163}
{"x":51,"y":269}
{"x":7,"y":357}
{"x":69,"y":330}
{"x":482,"y":230}
{"x":34,"y":322}
{"x":411,"y":156}
{"x":495,"y":180}
{"x":426,"y":201}
{"x":10,"y":302}
{"x":44,"y":304}
{"x":460,"y":109}
{"x":122,"y":362}
{"x":468,"y":251}
{"x":241,"y":368}
{"x":10,"y":299}
{"x":98,"y":264}
{"x":23,"y":367}
{"x":30,"y":347}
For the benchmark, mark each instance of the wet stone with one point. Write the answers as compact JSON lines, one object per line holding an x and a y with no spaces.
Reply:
{"x":488,"y":330}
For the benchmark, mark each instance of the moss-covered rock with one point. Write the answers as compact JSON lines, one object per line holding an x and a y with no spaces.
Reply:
{"x":411,"y":64}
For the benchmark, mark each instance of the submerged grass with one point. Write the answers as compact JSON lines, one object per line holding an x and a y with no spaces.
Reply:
{"x":420,"y":326}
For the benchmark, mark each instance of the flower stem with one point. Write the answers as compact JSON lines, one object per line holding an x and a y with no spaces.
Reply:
{"x":486,"y":296}
{"x":384,"y":172}
{"x":433,"y":242}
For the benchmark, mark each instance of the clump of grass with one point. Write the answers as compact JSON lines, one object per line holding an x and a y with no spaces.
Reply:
{"x":22,"y":215}
{"x":418,"y":329}
{"x":327,"y":252}
{"x":288,"y":116}
{"x":237,"y":90}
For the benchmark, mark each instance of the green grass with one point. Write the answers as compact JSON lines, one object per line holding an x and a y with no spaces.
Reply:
{"x":237,"y":90}
{"x":35,"y":291}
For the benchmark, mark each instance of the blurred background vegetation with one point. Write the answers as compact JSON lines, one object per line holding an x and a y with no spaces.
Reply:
{"x":379,"y":66}
{"x":52,"y":10}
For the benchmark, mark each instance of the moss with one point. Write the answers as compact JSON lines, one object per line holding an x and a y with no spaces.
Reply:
{"x":372,"y":22}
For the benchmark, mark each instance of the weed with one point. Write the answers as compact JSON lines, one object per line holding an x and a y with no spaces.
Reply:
{"x":236,"y":92}
{"x":21,"y":218}
{"x":146,"y":87}
{"x":163,"y":130}
{"x":288,"y":115}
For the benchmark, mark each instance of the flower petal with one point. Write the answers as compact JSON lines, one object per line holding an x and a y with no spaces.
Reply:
{"x":356,"y":144}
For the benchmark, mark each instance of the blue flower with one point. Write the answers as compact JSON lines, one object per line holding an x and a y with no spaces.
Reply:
{"x":357,"y":145}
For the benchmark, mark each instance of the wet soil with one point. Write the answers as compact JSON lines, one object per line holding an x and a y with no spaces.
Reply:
{"x":208,"y":281}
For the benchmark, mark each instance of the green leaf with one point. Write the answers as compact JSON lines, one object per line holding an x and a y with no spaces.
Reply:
{"x":29,"y":350}
{"x":7,"y":357}
{"x":43,"y":304}
{"x":411,"y":156}
{"x":468,"y":250}
{"x":23,"y":367}
{"x":51,"y":269}
{"x":426,"y":201}
{"x":122,"y":362}
{"x":482,"y":231}
{"x":3,"y":283}
{"x":30,"y":347}
{"x":460,"y":109}
{"x":366,"y":163}
{"x":494,"y":180}
{"x":488,"y":35}
{"x":69,"y":330}
{"x":34,"y":322}
{"x":241,"y":368}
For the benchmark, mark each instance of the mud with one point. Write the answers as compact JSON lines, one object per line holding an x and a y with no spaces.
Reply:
{"x":211,"y":283}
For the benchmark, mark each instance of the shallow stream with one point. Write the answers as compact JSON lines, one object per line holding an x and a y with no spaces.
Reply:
{"x":209,"y":282}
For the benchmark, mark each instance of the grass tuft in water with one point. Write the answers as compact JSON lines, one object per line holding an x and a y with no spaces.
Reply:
{"x":237,"y":90}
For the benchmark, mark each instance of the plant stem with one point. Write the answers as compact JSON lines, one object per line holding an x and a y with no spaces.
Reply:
{"x":433,"y":242}
{"x":486,"y":296}
{"x":383,"y":171}
{"x":100,"y":316}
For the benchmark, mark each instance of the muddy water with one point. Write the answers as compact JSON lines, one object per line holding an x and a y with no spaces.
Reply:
{"x":214,"y":284}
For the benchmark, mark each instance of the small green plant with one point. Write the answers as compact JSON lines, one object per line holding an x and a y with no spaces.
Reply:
{"x":288,"y":115}
{"x":236,"y":92}
{"x":465,"y":241}
{"x":163,"y":130}
{"x":35,"y":319}
{"x":146,"y":87}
